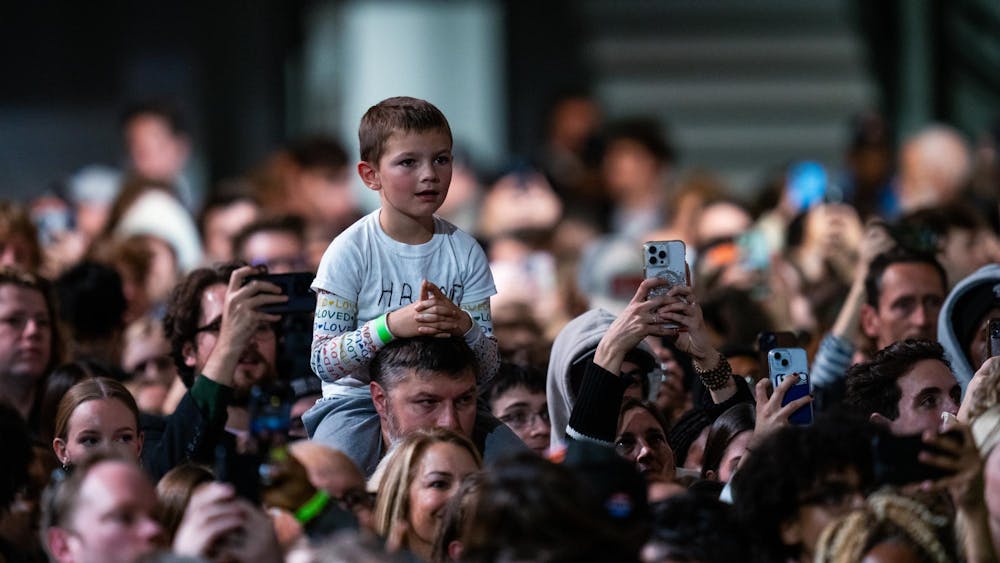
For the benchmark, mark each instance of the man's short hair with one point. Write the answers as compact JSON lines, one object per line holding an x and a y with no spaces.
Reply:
{"x":397,"y":115}
{"x":443,"y":356}
{"x":91,"y":301}
{"x":180,"y":323}
{"x":318,"y":151}
{"x":938,"y":221}
{"x":291,"y":224}
{"x":59,"y":500}
{"x":227,"y":192}
{"x":897,"y":255}
{"x":511,"y":376}
{"x":162,"y":109}
{"x":872,"y":386}
{"x":646,"y":132}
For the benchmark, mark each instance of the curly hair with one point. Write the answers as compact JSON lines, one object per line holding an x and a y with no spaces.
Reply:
{"x":767,"y":493}
{"x":180,"y":323}
{"x":872,"y":386}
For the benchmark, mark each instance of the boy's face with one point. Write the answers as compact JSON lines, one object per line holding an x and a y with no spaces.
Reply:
{"x":413,"y":174}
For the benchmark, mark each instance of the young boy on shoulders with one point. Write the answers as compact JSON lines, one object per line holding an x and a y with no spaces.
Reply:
{"x":398,"y":272}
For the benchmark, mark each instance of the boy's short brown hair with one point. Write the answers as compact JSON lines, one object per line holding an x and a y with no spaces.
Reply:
{"x":393,"y":115}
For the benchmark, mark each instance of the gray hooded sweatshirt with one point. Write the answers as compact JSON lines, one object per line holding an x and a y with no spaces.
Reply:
{"x":961,"y":314}
{"x":578,"y":339}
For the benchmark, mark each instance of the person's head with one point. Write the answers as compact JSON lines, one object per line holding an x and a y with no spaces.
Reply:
{"x":517,"y":397}
{"x":96,"y":413}
{"x":156,"y":139}
{"x":406,"y":155}
{"x":530,"y":509}
{"x":934,"y":166}
{"x":173,"y":492}
{"x":415,"y":482}
{"x":797,"y":480}
{"x":888,"y":528}
{"x":275,"y":242}
{"x":966,"y":317}
{"x":694,"y":527}
{"x":332,"y":471}
{"x":322,"y":180}
{"x":92,"y":306}
{"x":688,"y":436}
{"x":228,"y":209}
{"x":57,"y":384}
{"x":29,"y":343}
{"x":146,"y":353}
{"x":905,"y":386}
{"x":19,"y":245}
{"x":424,"y":382}
{"x":637,"y":158}
{"x":192,"y":323}
{"x":727,"y":442}
{"x":642,"y":439}
{"x":102,"y":512}
{"x":952,"y":232}
{"x":904,"y":291}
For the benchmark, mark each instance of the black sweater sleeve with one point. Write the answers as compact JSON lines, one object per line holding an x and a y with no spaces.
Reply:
{"x":595,"y":414}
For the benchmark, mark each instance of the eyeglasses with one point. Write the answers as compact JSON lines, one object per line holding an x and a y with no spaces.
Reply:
{"x":522,"y":419}
{"x":263,"y":329}
{"x":830,"y":495}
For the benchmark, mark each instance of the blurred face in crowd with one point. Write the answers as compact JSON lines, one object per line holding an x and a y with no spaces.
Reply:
{"x":256,"y":363}
{"x":928,"y":390}
{"x":962,"y":253}
{"x":909,"y":301}
{"x":113,"y":521}
{"x":734,"y":453}
{"x":280,"y":251}
{"x":832,"y":497}
{"x":642,"y":441}
{"x":101,"y":423}
{"x":439,"y":473}
{"x":155,"y":150}
{"x":25,"y":334}
{"x":527,"y":414}
{"x":221,"y":225}
{"x":630,"y":170}
{"x":426,"y":400}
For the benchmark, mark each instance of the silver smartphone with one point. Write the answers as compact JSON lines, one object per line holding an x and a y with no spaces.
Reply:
{"x":664,"y":259}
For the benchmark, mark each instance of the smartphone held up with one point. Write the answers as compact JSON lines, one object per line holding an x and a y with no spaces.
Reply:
{"x":665,"y":259}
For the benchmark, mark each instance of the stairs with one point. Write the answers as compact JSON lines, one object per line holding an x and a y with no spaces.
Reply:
{"x":743,"y":86}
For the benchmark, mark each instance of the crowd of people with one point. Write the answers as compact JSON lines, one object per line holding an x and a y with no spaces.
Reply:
{"x":487,"y":373}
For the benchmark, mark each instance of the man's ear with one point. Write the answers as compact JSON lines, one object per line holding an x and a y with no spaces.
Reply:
{"x":369,"y":175}
{"x":869,"y":321}
{"x":190,"y":354}
{"x":380,"y":398}
{"x":58,"y":544}
{"x":791,"y":532}
{"x":711,"y":475}
{"x":880,"y":419}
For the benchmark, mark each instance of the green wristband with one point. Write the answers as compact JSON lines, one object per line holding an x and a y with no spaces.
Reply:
{"x":311,"y":509}
{"x":382,"y":329}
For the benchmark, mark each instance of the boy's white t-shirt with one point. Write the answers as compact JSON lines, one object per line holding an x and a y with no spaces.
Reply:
{"x":381,"y":274}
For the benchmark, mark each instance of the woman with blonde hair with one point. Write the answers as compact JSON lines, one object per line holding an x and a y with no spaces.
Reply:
{"x":414,"y":483}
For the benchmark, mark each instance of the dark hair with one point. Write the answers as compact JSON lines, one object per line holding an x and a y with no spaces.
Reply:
{"x":736,"y":420}
{"x":91,"y":390}
{"x":17,"y":454}
{"x":161,"y":109}
{"x":227,"y":192}
{"x":790,"y":463}
{"x":173,"y":493}
{"x":511,"y":376}
{"x":942,"y":219}
{"x":396,"y":115}
{"x":647,"y":132}
{"x":180,"y":323}
{"x":631,"y":403}
{"x":318,"y":151}
{"x":872,"y":386}
{"x":897,"y":255}
{"x":696,"y":527}
{"x":529,"y":507}
{"x":449,"y":356}
{"x":291,"y":224}
{"x":91,"y":301}
{"x":686,"y":431}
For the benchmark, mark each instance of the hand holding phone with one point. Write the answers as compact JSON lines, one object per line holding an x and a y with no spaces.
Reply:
{"x":296,"y":285}
{"x":786,"y":362}
{"x":665,"y":259}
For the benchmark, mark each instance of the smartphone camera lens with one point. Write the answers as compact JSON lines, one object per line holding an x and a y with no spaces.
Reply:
{"x":777,"y":355}
{"x":652,"y":260}
{"x":652,"y":250}
{"x":784,"y":363}
{"x":662,"y":254}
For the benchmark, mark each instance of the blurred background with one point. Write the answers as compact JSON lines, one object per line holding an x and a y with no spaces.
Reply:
{"x":740,"y":86}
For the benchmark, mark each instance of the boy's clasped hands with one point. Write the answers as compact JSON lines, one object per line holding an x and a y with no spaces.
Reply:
{"x":433,"y":315}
